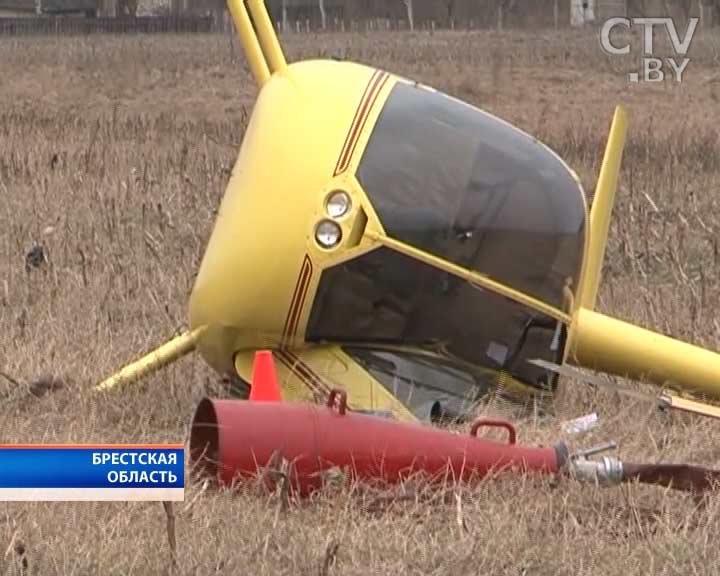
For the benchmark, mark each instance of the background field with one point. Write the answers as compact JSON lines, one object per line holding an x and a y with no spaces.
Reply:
{"x":114,"y":153}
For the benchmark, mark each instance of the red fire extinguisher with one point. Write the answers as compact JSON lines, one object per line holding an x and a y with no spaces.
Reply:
{"x":234,"y":439}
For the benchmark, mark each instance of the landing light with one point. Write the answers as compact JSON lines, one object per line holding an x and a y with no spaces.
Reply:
{"x":328,"y":234}
{"x":338,"y":204}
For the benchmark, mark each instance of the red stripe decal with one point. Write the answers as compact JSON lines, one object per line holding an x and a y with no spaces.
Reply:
{"x":364,"y":109}
{"x":306,"y":274}
{"x":297,"y":301}
{"x":292,"y":366}
{"x":346,"y":144}
{"x":372,"y":90}
{"x":367,"y":106}
{"x":309,"y":373}
{"x":317,"y":386}
{"x":292,"y":305}
{"x":364,"y":121}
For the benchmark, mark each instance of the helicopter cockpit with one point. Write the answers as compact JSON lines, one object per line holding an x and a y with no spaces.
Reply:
{"x":461,"y":187}
{"x":454,"y":259}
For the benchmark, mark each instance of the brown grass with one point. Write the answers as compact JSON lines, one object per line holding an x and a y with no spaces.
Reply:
{"x":114,"y":153}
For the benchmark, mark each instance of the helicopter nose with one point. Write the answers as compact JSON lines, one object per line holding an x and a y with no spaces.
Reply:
{"x":280,"y":208}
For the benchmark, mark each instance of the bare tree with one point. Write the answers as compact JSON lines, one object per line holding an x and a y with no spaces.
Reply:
{"x":409,"y":8}
{"x":323,"y":16}
{"x":504,"y":7}
{"x":127,"y":8}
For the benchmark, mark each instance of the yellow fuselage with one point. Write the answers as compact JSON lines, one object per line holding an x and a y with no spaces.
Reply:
{"x":256,"y":283}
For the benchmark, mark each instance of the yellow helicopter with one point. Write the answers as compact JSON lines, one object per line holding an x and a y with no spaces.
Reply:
{"x":386,"y":238}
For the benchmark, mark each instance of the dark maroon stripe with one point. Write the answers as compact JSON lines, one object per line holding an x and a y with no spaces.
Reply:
{"x":291,"y":366}
{"x":309,"y":373}
{"x":357,"y":122}
{"x":346,"y":144}
{"x":306,"y":274}
{"x":293,"y":303}
{"x":377,"y":93}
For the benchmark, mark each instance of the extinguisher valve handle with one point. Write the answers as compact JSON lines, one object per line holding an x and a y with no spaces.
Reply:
{"x":595,"y":450}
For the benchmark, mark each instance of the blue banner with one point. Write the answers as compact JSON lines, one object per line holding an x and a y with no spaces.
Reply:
{"x":92,"y":466}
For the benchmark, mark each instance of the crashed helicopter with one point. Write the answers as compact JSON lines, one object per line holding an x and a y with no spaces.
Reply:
{"x":416,"y":252}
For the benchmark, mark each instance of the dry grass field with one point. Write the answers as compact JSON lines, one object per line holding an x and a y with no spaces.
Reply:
{"x":114,"y":153}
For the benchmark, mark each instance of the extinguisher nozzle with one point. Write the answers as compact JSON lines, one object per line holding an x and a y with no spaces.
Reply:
{"x":562,"y":453}
{"x":204,"y":440}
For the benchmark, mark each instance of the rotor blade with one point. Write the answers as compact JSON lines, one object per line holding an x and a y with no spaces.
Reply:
{"x":591,"y":379}
{"x":665,"y":401}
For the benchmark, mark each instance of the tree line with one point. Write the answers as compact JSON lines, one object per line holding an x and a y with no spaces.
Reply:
{"x":319,"y":14}
{"x":409,"y":13}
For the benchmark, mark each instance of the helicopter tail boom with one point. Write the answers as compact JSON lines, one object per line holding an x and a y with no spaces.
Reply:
{"x":603,"y":343}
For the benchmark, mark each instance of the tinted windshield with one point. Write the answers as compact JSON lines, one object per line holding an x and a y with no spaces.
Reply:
{"x":387,"y":297}
{"x":470,"y":188}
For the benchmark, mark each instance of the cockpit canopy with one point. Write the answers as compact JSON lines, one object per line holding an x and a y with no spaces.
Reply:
{"x":465,"y":186}
{"x":461,"y":185}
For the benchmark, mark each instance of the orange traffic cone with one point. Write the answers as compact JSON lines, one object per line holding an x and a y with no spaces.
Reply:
{"x":264,"y":386}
